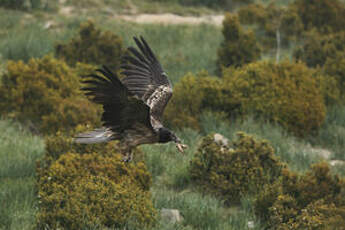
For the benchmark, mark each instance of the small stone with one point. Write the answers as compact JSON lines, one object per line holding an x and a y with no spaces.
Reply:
{"x":49,"y":25}
{"x":171,"y":215}
{"x":337,"y":163}
{"x":220,"y":139}
{"x":250,"y":224}
{"x":324,"y":153}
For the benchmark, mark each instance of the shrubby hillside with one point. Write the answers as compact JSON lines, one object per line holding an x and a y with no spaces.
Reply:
{"x":258,"y":100}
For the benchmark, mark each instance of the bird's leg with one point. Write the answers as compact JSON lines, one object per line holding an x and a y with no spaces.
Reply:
{"x":180,"y":147}
{"x":128,"y":155}
{"x":124,"y":151}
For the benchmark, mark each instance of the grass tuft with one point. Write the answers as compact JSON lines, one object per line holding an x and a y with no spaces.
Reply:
{"x":332,"y":133}
{"x":25,"y":43}
{"x":297,"y":153}
{"x":19,"y":151}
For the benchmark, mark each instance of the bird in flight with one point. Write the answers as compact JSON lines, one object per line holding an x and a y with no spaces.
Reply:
{"x":132,"y":107}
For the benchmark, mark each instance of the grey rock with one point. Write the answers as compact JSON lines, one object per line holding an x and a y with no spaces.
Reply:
{"x":49,"y":25}
{"x":337,"y":163}
{"x":250,"y":224}
{"x":171,"y":215}
{"x":323,"y":153}
{"x":221,"y":140}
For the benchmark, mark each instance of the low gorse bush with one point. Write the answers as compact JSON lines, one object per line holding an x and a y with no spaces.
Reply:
{"x":92,"y":46}
{"x":283,"y":199}
{"x":314,"y":200}
{"x":314,"y":27}
{"x":192,"y":95}
{"x":231,"y":172}
{"x":269,"y":20}
{"x":239,"y":46}
{"x":318,"y":48}
{"x":44,"y":93}
{"x":326,"y":53}
{"x":289,"y":94}
{"x":29,"y":4}
{"x":335,"y":69}
{"x":284,"y":93}
{"x":323,"y":15}
{"x":87,"y":190}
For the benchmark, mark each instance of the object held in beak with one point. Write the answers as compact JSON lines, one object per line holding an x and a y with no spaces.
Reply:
{"x":181,"y":147}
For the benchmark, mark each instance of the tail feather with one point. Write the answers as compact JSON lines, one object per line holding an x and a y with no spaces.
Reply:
{"x":93,"y":137}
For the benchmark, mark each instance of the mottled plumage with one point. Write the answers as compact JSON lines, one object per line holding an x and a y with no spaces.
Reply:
{"x":133,"y":107}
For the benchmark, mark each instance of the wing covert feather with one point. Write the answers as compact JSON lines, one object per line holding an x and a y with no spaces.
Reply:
{"x":145,"y":78}
{"x":121,"y":108}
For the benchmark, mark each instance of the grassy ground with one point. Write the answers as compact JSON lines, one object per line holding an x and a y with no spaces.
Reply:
{"x":165,"y":6}
{"x":171,"y":188}
{"x":181,"y":49}
{"x":19,"y":151}
{"x":138,"y":6}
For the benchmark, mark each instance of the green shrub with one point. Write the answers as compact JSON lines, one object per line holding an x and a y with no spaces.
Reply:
{"x":272,"y":19}
{"x":192,"y":94}
{"x":329,"y":87}
{"x":326,"y":52}
{"x":317,"y":48}
{"x":252,"y":14}
{"x":78,"y":191}
{"x":44,"y":93}
{"x":92,"y":46}
{"x":323,"y":15}
{"x":222,"y":171}
{"x":284,"y":93}
{"x":15,"y":4}
{"x":335,"y":69}
{"x":318,"y":183}
{"x":320,"y":215}
{"x":239,"y":47}
{"x":29,"y":4}
{"x":314,"y":200}
{"x":9,"y":3}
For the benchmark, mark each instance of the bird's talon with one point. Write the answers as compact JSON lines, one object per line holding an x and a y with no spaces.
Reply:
{"x":126,"y":159}
{"x":181,"y":147}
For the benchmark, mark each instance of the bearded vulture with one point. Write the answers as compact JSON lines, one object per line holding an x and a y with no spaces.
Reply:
{"x":133,"y":107}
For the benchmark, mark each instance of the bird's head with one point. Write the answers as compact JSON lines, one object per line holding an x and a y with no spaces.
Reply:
{"x":165,"y":135}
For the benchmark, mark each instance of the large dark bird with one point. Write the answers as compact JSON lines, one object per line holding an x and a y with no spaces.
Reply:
{"x":133,"y":107}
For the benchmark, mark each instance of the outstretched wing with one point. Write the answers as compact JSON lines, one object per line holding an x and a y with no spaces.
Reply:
{"x":122,"y":111}
{"x":146,"y":79}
